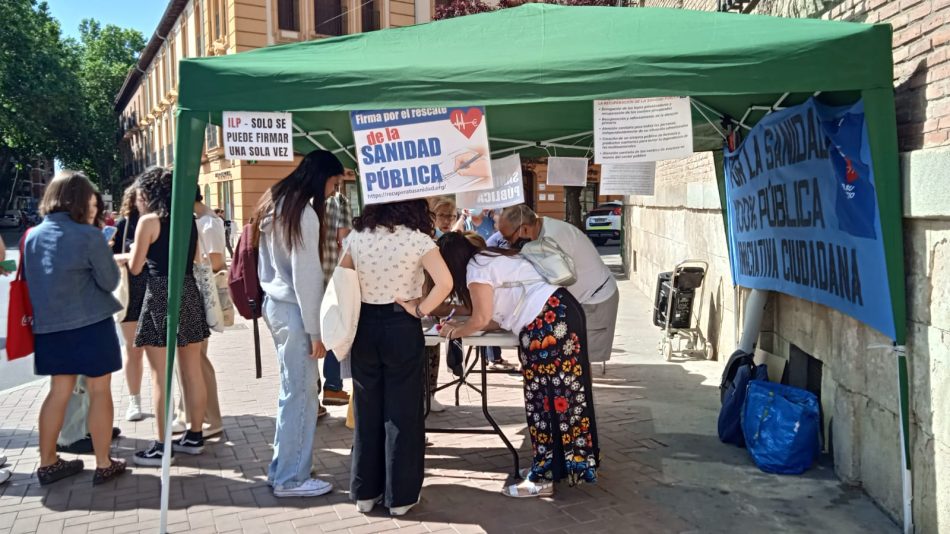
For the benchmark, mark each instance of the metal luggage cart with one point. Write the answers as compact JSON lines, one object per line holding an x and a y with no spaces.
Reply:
{"x":673,"y":310}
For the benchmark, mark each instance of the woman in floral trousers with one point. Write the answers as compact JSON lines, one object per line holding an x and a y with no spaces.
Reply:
{"x":503,"y":290}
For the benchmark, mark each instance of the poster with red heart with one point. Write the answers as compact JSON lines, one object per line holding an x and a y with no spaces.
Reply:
{"x":421,"y":152}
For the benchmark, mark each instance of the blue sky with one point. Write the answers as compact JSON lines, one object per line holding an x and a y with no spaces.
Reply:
{"x":143,"y":15}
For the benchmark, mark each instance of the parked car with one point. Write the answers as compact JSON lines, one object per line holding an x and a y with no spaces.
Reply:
{"x":11,"y":219}
{"x":603,"y":222}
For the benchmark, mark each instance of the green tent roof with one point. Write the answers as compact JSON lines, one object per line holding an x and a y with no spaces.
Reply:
{"x":538,"y":67}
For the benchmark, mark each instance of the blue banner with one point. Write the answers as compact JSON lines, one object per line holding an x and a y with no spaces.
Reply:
{"x":803,"y":214}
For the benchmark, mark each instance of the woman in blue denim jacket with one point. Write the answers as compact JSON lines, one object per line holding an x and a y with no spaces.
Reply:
{"x":71,"y":274}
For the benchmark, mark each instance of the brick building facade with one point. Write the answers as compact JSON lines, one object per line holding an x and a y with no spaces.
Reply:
{"x":859,"y":383}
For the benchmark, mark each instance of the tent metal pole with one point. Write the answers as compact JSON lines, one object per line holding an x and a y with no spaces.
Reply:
{"x":343,"y":147}
{"x":711,"y":123}
{"x":511,"y":149}
{"x":302,"y":133}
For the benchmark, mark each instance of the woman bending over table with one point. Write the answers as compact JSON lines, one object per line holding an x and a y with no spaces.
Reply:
{"x":504,"y":290}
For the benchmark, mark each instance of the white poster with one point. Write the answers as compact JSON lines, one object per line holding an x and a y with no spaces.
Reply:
{"x":507,"y":191}
{"x":567,"y":171}
{"x":628,"y":178}
{"x":642,"y":129}
{"x":421,"y":152}
{"x":258,"y":135}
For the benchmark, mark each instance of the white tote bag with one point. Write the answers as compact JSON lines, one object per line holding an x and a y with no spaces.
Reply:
{"x":208,"y":288}
{"x":121,"y":292}
{"x":340,"y":310}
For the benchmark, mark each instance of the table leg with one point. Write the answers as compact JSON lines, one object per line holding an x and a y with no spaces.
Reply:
{"x":425,"y":376}
{"x":491,"y":420}
{"x":466,"y":370}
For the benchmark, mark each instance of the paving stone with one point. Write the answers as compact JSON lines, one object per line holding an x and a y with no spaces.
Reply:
{"x":643,"y":486}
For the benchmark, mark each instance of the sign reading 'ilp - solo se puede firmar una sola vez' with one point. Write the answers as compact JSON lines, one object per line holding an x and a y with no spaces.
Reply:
{"x":256,"y":135}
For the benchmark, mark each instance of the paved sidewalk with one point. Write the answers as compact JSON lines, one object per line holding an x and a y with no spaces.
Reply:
{"x":663,"y":468}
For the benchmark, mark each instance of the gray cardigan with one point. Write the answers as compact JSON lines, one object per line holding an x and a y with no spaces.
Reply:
{"x":71,"y":274}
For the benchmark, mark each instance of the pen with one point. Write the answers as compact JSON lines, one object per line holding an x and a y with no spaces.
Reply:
{"x":442,"y":322}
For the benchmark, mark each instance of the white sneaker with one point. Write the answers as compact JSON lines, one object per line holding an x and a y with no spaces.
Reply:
{"x":402,"y":510}
{"x":5,"y":475}
{"x":134,"y":411}
{"x":366,"y":506}
{"x":210,"y":432}
{"x":178,"y":426}
{"x":3,"y":460}
{"x":313,"y":487}
{"x":436,"y":406}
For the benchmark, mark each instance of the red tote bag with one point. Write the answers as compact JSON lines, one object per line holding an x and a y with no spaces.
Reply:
{"x":20,"y":315}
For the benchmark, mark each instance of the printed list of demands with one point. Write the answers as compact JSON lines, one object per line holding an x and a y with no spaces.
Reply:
{"x":642,"y":129}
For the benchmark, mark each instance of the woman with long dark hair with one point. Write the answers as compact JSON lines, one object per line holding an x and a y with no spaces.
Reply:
{"x":289,"y":227}
{"x":71,"y":276}
{"x":504,"y":290}
{"x":391,"y":248}
{"x":122,"y":244}
{"x":150,"y":251}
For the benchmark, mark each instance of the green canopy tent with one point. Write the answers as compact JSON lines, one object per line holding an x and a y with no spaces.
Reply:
{"x":537,"y":69}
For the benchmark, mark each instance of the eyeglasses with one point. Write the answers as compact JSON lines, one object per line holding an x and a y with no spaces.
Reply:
{"x":446,"y":216}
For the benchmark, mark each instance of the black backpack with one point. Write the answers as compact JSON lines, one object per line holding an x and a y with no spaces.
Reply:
{"x":740,"y":370}
{"x":738,"y":360}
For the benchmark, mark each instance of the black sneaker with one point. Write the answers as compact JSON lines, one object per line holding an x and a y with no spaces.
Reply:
{"x":84,"y":445}
{"x":152,"y":456}
{"x":80,"y":446}
{"x":190,"y":443}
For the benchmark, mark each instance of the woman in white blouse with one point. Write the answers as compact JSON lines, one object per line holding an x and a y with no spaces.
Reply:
{"x":503,"y":290}
{"x":390,"y":247}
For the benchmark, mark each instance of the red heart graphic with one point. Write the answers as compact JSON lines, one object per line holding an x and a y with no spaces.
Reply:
{"x":466,"y":121}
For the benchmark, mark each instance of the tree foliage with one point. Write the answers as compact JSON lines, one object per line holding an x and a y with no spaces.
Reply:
{"x":56,"y":94}
{"x":105,"y":55}
{"x":39,"y":89}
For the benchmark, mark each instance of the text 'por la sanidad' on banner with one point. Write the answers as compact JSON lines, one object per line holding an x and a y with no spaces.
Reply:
{"x":803,"y":212}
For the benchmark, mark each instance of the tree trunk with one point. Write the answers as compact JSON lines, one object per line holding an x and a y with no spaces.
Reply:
{"x":572,"y":208}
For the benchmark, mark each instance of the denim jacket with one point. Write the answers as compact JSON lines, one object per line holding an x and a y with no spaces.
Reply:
{"x":70,"y":273}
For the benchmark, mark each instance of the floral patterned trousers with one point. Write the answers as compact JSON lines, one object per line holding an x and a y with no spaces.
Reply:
{"x":558,"y":393}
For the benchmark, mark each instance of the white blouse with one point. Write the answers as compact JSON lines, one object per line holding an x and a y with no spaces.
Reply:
{"x":520,"y":293}
{"x":389,"y":264}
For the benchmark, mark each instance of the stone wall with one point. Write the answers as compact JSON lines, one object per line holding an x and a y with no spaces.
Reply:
{"x":859,"y":389}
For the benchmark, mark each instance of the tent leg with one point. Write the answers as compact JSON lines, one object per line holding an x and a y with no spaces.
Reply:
{"x":907,"y":486}
{"x":188,"y":143}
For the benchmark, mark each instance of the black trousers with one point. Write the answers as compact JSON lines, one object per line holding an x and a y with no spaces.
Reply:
{"x":388,"y":362}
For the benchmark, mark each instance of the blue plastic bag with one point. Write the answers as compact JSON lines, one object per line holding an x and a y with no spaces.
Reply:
{"x":781,"y":427}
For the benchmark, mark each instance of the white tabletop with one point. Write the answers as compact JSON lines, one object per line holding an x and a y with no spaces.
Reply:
{"x":488,"y":339}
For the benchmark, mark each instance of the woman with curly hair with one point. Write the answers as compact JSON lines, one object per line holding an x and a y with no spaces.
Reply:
{"x":504,"y":290}
{"x":150,"y":251}
{"x":391,"y":248}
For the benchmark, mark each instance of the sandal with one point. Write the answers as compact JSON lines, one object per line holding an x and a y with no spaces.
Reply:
{"x":502,"y":365}
{"x":58,"y":470}
{"x":527,"y":489}
{"x":105,"y":474}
